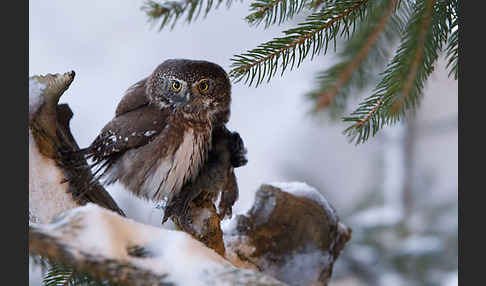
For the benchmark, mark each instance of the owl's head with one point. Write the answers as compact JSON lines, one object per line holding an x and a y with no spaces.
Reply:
{"x":192,"y":87}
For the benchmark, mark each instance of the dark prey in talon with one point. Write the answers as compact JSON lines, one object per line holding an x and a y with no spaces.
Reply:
{"x":160,"y":136}
{"x":216,"y":180}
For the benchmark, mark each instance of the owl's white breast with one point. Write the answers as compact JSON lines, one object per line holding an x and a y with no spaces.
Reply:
{"x":176,"y":169}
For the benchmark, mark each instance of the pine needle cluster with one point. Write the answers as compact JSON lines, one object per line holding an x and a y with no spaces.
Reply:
{"x":403,"y":80}
{"x":56,"y":274}
{"x":59,"y":274}
{"x":392,"y":44}
{"x":167,"y":12}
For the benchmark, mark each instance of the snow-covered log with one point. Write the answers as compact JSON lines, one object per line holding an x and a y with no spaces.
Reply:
{"x":106,"y":246}
{"x":291,"y":233}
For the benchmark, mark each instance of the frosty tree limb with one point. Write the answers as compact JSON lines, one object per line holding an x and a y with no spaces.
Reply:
{"x":103,"y":269}
{"x":49,"y":134}
{"x":106,"y":246}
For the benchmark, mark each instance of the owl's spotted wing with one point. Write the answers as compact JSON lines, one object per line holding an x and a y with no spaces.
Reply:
{"x":134,"y":125}
{"x":129,"y":130}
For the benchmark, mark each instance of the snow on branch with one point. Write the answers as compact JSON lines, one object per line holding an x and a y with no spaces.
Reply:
{"x":106,"y":246}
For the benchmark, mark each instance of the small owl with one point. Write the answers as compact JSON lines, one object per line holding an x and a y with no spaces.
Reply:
{"x":160,"y":136}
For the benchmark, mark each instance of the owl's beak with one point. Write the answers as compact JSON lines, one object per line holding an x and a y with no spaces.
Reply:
{"x":188,"y":97}
{"x":182,"y":99}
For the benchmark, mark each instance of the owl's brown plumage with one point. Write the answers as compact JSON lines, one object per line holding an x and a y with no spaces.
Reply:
{"x":160,"y":136}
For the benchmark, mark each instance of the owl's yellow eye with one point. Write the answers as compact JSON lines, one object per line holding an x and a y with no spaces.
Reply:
{"x":176,"y":86}
{"x":203,"y":87}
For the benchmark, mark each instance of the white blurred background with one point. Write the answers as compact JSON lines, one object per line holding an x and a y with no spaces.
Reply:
{"x":398,"y":191}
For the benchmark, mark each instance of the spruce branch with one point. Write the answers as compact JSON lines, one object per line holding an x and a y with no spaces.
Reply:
{"x":312,"y":36}
{"x":403,"y":80}
{"x":269,"y":10}
{"x":365,"y":52}
{"x":453,"y":43}
{"x":61,"y":275}
{"x":171,"y":11}
{"x":453,"y":53}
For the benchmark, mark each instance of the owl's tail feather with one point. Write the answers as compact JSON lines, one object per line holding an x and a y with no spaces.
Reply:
{"x":82,"y":184}
{"x":75,"y":158}
{"x":79,"y":152}
{"x":96,"y":177}
{"x":103,"y":168}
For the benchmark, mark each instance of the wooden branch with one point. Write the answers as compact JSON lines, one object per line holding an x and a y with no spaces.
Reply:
{"x":54,"y":179}
{"x":46,"y":92}
{"x":100,"y":243}
{"x":97,"y":267}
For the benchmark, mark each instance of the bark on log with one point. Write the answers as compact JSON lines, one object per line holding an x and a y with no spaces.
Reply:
{"x":291,"y":233}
